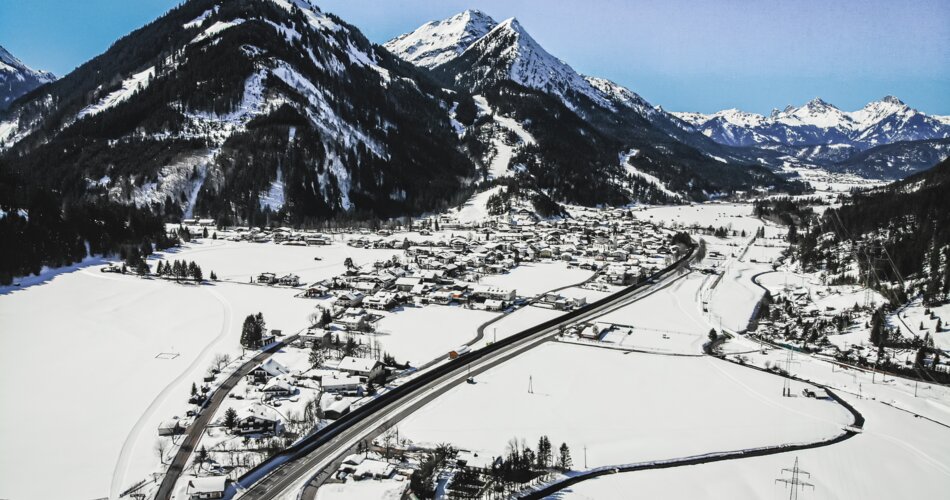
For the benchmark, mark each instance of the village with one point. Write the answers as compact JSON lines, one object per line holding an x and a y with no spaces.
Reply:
{"x":338,"y":363}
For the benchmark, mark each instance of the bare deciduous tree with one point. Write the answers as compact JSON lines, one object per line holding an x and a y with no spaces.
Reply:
{"x":161,"y":446}
{"x":221,"y":360}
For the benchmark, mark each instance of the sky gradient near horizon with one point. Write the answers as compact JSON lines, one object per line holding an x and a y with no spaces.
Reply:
{"x":685,"y":55}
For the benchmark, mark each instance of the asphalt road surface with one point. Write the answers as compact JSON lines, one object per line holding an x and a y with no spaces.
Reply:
{"x":197,"y":428}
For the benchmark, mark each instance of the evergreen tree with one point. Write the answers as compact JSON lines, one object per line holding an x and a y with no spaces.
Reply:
{"x":141,"y":268}
{"x":316,"y":355}
{"x":195,"y":272}
{"x":260,"y":325}
{"x":544,"y":452}
{"x":194,"y":389}
{"x":230,"y":418}
{"x":251,"y":333}
{"x":564,"y":460}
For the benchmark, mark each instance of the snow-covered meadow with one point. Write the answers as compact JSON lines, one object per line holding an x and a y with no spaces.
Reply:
{"x":534,"y":278}
{"x":120,"y":354}
{"x":896,"y":456}
{"x":240,"y":261}
{"x":420,"y":334}
{"x":102,"y":359}
{"x":622,"y":407}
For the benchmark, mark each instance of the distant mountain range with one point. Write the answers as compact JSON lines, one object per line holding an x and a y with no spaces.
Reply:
{"x":863,"y":141}
{"x":17,"y":78}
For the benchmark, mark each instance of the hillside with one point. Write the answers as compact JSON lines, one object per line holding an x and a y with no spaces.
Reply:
{"x":897,"y":236}
{"x":247,"y":111}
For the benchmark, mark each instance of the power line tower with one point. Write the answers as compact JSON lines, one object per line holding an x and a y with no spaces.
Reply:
{"x":795,"y":483}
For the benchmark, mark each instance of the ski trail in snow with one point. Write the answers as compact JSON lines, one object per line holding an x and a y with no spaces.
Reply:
{"x":768,"y":401}
{"x":913,"y":449}
{"x":122,"y":463}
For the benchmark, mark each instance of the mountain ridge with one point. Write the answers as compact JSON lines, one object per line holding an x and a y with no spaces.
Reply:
{"x":17,"y":79}
{"x":666,"y":148}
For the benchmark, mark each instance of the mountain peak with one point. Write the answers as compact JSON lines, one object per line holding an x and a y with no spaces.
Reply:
{"x":9,"y":62}
{"x":819,"y":104}
{"x":17,"y":78}
{"x":509,"y":52}
{"x":889,"y":99}
{"x":512,"y":24}
{"x":438,"y":42}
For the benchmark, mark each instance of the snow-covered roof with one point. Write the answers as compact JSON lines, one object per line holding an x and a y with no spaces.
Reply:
{"x":358,"y":365}
{"x":210,"y":484}
{"x":274,"y":368}
{"x":259,"y":412}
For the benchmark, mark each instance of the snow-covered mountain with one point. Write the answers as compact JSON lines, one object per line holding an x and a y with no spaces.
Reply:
{"x":820,"y":123}
{"x":17,"y":78}
{"x":244,"y":110}
{"x":499,"y":65}
{"x":885,"y":138}
{"x":508,"y":52}
{"x":437,"y":42}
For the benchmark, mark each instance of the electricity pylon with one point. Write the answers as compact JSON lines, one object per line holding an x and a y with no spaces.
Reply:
{"x":795,"y":483}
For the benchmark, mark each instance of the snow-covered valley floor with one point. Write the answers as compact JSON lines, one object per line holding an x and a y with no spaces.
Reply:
{"x":622,"y":407}
{"x":99,"y":360}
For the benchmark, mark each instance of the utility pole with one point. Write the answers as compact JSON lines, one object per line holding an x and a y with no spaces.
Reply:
{"x":787,"y":380}
{"x":530,"y":384}
{"x":795,"y":481}
{"x":585,"y":456}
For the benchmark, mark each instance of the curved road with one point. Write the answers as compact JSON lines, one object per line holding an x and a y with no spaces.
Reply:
{"x":196,"y":429}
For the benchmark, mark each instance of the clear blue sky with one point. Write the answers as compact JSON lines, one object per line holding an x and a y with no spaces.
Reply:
{"x":681,"y":54}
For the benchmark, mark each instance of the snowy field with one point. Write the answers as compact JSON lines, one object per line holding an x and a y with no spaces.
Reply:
{"x":733,"y":301}
{"x":670,"y":320}
{"x":475,"y":209}
{"x":932,"y":401}
{"x":385,"y":489}
{"x":98,"y":342}
{"x":239,"y":260}
{"x":897,"y":456}
{"x":535,"y":278}
{"x":420,"y":334}
{"x":910,"y":319}
{"x":623,"y":407}
{"x":729,"y":215}
{"x":517,"y":321}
